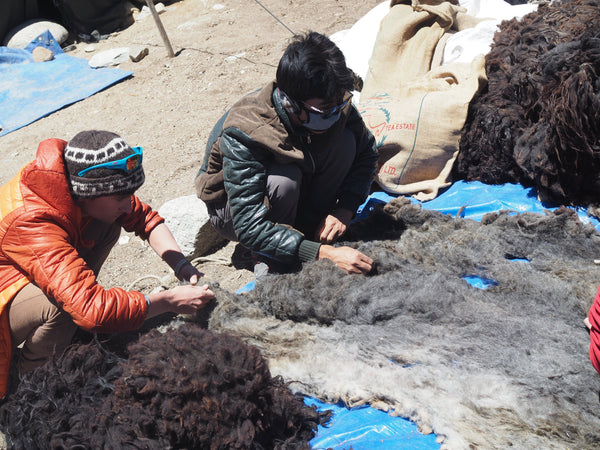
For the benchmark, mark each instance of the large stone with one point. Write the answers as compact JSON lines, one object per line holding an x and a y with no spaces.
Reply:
{"x":187,"y":218}
{"x":22,"y":35}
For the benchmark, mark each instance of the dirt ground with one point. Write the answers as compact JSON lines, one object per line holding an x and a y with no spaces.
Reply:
{"x":169,"y":105}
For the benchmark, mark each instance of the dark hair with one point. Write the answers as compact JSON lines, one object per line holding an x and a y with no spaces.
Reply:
{"x":312,"y":66}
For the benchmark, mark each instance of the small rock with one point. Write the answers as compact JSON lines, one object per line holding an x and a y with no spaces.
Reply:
{"x":187,"y":25}
{"x":111,"y":57}
{"x":235,"y":57}
{"x":131,"y":7}
{"x":89,"y":49}
{"x":42,"y":54}
{"x":136,"y":54}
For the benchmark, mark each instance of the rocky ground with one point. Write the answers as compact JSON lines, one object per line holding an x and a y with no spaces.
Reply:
{"x":169,"y":105}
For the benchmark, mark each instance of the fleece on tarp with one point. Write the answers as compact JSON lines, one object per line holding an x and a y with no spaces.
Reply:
{"x":184,"y":388}
{"x":488,"y":368}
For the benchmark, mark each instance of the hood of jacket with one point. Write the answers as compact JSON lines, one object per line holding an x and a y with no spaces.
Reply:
{"x":44,"y":182}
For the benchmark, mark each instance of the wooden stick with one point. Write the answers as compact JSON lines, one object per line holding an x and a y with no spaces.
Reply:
{"x":161,"y":29}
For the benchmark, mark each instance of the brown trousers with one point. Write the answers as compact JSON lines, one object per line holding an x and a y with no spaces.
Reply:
{"x":36,"y":322}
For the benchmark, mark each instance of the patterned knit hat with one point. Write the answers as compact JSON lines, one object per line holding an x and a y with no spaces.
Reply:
{"x":90,"y":148}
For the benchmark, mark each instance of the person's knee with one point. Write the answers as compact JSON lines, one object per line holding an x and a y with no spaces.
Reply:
{"x":283,"y":183}
{"x":221,"y":220}
{"x":50,"y":338}
{"x":104,"y":236}
{"x":113,"y":234}
{"x":283,"y":192}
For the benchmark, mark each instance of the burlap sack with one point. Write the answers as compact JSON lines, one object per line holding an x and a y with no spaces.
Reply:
{"x":406,"y":44}
{"x":415,"y":107}
{"x":418,"y":129}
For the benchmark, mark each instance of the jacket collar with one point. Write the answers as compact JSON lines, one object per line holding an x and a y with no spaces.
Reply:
{"x":262,"y":117}
{"x":46,"y":178}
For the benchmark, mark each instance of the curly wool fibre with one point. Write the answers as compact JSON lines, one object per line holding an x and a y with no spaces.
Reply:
{"x":538,"y":121}
{"x":185,"y":388}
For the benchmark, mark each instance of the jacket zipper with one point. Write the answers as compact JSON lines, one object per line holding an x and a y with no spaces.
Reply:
{"x":314,"y":166}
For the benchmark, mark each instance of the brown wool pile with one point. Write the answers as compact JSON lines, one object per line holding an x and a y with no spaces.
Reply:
{"x":538,"y":121}
{"x":184,"y":388}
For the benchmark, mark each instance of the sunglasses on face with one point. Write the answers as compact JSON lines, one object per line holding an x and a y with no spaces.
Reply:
{"x":327,"y":113}
{"x":318,"y":119}
{"x":127,"y":164}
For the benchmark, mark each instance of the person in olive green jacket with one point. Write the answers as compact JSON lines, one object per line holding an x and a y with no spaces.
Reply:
{"x":286,"y":167}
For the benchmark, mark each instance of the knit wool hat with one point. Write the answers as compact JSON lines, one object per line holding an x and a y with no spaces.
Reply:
{"x":89,"y":148}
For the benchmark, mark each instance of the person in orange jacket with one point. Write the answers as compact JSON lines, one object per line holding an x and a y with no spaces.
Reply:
{"x":59,"y":218}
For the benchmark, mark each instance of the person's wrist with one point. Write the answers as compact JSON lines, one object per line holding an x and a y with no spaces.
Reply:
{"x":180,"y":264}
{"x":325,"y":251}
{"x":344,"y":215}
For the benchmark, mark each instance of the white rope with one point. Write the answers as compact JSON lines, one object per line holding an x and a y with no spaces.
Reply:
{"x":130,"y":288}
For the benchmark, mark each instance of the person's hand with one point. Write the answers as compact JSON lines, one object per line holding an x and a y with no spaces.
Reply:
{"x":189,"y":273}
{"x":346,"y":258}
{"x":185,"y":299}
{"x":333,"y":226}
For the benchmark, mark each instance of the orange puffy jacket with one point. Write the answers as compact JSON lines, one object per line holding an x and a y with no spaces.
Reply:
{"x":40,"y":228}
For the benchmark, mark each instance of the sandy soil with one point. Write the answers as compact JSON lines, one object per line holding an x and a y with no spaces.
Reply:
{"x":222,"y":51}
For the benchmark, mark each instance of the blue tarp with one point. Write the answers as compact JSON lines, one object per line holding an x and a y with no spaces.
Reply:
{"x":477,"y":199}
{"x":30,"y":91}
{"x":366,"y":428}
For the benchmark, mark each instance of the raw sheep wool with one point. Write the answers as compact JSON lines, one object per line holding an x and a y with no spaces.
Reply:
{"x":538,"y":121}
{"x":500,"y":365}
{"x":184,"y":388}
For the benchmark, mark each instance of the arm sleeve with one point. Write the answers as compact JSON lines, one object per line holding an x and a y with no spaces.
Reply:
{"x":245,"y":174}
{"x":594,"y":318}
{"x":141,"y":220}
{"x":44,"y":251}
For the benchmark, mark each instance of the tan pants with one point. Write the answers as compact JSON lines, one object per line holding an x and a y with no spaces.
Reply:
{"x":35,"y":320}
